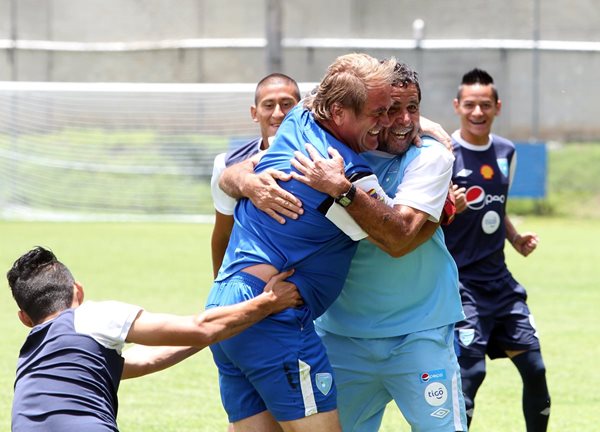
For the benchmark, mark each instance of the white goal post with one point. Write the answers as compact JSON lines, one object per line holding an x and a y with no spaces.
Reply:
{"x":122,"y":151}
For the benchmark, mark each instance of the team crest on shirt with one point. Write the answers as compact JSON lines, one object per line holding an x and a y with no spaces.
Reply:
{"x":503,"y":165}
{"x":466,"y":336}
{"x":324,"y":382}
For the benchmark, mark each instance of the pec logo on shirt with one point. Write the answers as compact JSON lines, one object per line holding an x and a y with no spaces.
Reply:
{"x":475,"y":197}
{"x":487,"y":172}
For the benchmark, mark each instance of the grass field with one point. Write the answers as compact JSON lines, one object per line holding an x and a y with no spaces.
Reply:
{"x":166,"y":267}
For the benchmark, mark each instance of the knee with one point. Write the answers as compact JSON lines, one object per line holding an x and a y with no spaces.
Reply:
{"x":472,"y":371}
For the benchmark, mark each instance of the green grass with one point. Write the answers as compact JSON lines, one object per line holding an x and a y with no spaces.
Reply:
{"x":166,"y":267}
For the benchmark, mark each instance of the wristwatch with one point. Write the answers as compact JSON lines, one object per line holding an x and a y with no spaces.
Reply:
{"x":345,"y":199}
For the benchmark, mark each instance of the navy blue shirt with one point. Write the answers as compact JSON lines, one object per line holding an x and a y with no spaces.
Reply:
{"x":476,"y":236}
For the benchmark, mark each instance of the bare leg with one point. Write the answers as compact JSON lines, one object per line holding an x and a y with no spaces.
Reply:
{"x":325,"y":421}
{"x":261,"y":422}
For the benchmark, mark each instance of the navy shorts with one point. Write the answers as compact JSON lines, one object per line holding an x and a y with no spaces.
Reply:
{"x":497,"y":319}
{"x":278,"y":364}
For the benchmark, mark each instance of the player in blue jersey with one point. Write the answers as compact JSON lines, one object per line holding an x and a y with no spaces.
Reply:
{"x":278,"y":369}
{"x":390,"y":333}
{"x":275,"y":95}
{"x":498,"y":321}
{"x":70,"y":365}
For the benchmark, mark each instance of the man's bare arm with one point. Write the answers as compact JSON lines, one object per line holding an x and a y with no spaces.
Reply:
{"x":239,"y":181}
{"x":220,"y":239}
{"x":211,"y":326}
{"x":392,"y":229}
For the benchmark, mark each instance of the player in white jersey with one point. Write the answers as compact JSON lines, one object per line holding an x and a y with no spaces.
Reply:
{"x":275,"y":95}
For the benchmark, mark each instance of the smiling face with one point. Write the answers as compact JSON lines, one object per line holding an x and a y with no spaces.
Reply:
{"x":477,"y":108}
{"x":360,"y":131}
{"x":273,"y":102}
{"x":404,"y":115}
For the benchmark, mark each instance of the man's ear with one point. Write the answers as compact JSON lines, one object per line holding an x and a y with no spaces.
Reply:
{"x":455,"y":102}
{"x":253,"y":114}
{"x":77,"y":294}
{"x":498,"y":107}
{"x":338,"y":114}
{"x":28,"y":322}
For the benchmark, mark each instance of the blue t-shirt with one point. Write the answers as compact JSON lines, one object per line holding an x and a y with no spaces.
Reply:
{"x":476,"y":236}
{"x":313,"y":245}
{"x":385,"y":296}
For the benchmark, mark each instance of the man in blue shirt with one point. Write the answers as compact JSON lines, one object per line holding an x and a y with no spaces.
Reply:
{"x":70,"y":365}
{"x":498,"y":321}
{"x":278,"y":370}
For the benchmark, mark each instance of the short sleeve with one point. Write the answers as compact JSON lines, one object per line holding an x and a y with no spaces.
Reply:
{"x":107,"y":322}
{"x":223,"y":203}
{"x":426,"y":181}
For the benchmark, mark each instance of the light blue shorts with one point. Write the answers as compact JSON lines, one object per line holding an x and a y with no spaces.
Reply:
{"x":419,"y":371}
{"x":278,"y":364}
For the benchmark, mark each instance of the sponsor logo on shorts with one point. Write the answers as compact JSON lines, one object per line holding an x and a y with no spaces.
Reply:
{"x":466,"y":336}
{"x":433,"y":375}
{"x":436,"y":394}
{"x":440,"y":413}
{"x":324,"y":382}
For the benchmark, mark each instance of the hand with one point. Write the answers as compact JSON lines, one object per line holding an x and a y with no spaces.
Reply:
{"x":264,"y":192}
{"x":460,"y":198}
{"x":324,"y":175}
{"x":435,"y":130}
{"x":525,"y":243}
{"x":284,"y":294}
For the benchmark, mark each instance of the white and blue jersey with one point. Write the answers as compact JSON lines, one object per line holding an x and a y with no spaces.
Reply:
{"x":418,"y":291}
{"x":476,"y":237}
{"x":69,"y":370}
{"x":313,"y":245}
{"x":389,"y":335}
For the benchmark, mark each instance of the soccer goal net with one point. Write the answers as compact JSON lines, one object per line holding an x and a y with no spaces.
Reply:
{"x":90,"y":151}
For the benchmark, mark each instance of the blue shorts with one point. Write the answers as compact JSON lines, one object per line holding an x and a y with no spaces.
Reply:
{"x":278,"y":364}
{"x":497,"y":319}
{"x":419,"y":371}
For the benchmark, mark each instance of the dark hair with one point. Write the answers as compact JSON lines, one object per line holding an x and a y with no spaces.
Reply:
{"x":40,"y":284}
{"x":276,"y":78}
{"x":477,"y":76}
{"x":404,"y":76}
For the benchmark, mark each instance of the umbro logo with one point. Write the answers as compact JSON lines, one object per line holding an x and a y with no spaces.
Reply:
{"x":464,"y":173}
{"x":440,"y":413}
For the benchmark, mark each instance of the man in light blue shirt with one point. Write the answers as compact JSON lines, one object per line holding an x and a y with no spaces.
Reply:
{"x":389,"y":335}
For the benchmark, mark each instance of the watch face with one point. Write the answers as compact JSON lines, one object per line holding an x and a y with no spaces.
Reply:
{"x":344,"y":201}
